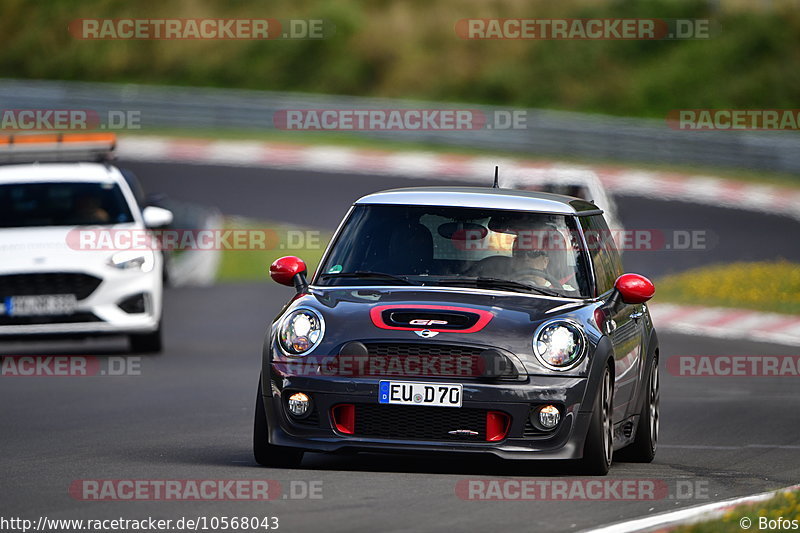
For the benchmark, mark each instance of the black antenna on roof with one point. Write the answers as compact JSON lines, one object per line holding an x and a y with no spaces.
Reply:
{"x":495,"y":186}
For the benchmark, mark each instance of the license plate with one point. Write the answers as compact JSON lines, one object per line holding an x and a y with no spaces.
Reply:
{"x":424,"y":394}
{"x":53,"y":304}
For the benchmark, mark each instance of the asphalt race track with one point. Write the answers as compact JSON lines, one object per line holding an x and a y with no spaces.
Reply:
{"x":189,"y":414}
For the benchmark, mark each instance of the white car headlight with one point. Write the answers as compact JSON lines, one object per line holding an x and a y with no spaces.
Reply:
{"x":142,"y":260}
{"x":301,"y":331}
{"x":559,"y":344}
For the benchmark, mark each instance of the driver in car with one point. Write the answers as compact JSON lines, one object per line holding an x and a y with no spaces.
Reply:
{"x":533,"y":258}
{"x":530,"y":266}
{"x":90,"y":210}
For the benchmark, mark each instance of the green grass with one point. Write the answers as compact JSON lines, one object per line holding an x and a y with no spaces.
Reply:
{"x":785,"y":505}
{"x":402,"y":48}
{"x":283,"y":239}
{"x":358,"y":141}
{"x":762,"y":286}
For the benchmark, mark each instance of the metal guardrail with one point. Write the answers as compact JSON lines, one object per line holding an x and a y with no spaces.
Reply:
{"x":548,"y":133}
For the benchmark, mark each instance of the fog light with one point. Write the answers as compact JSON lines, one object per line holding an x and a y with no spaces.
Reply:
{"x":549,"y":416}
{"x":299,"y":404}
{"x":134,"y":304}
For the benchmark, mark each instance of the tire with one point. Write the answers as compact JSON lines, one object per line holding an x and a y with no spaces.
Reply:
{"x":146,"y":342}
{"x":267,"y":454}
{"x":643,"y":448}
{"x":598,"y":451}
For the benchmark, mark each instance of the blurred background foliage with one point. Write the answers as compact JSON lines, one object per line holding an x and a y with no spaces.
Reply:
{"x":409,"y":48}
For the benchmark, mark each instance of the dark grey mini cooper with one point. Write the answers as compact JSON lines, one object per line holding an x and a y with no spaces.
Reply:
{"x":474,"y":320}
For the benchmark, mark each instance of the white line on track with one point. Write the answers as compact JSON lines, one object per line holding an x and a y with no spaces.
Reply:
{"x":689,"y":515}
{"x":712,"y":447}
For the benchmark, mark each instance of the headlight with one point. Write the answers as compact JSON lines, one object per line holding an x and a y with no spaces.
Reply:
{"x":559,"y":344}
{"x":142,"y":260}
{"x":301,"y":331}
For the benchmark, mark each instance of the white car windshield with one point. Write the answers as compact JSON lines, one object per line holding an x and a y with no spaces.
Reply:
{"x":62,"y":204}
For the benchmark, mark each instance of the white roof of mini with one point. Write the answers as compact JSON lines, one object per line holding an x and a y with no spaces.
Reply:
{"x":483,"y":197}
{"x":58,"y":172}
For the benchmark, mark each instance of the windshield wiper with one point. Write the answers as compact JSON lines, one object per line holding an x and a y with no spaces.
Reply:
{"x":365,"y":274}
{"x":497,"y":283}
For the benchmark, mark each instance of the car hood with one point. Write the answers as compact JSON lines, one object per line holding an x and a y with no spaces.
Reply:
{"x":493,"y":300}
{"x":508,"y":320}
{"x":52,"y":248}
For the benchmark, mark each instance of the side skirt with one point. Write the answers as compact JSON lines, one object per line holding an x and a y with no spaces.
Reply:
{"x":625,"y":432}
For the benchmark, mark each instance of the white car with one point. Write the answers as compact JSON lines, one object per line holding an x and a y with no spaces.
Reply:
{"x":569,"y":181}
{"x":51,"y":283}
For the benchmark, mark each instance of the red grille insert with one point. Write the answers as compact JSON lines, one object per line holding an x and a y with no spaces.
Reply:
{"x":497,"y":425}
{"x":344,"y":418}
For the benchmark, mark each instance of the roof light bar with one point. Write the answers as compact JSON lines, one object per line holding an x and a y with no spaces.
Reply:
{"x":56,"y":147}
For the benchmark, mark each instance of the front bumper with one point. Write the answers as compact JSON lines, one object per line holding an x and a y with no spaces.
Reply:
{"x":99,"y":313}
{"x":513,"y":398}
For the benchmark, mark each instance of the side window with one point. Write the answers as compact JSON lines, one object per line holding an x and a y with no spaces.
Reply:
{"x":605,"y":257}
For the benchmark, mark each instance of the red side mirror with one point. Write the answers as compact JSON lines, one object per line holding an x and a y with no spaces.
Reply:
{"x":284,"y":270}
{"x":634,"y":289}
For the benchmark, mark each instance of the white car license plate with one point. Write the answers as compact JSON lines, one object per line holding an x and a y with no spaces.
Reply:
{"x":53,"y":304}
{"x":425,"y":394}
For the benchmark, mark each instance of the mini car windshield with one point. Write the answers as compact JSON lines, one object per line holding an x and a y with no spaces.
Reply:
{"x":62,"y":204}
{"x":514,"y":251}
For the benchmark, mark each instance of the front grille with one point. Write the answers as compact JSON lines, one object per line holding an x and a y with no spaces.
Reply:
{"x":48,"y":319}
{"x":311,"y":420}
{"x":404,"y":422}
{"x":530,"y":431}
{"x":420,"y":348}
{"x":81,"y":285}
{"x":464,"y":362}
